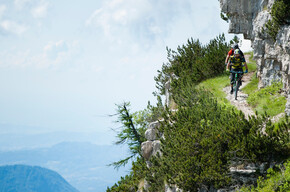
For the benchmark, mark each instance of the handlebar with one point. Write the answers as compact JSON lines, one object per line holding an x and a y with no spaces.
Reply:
{"x":236,"y":72}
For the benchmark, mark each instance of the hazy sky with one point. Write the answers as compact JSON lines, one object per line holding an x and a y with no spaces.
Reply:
{"x":65,"y":64}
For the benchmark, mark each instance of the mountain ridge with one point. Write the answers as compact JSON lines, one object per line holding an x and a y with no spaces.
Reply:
{"x":24,"y":178}
{"x":83,"y":164}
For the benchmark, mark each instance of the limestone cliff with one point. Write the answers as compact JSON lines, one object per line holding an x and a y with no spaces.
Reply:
{"x":248,"y":17}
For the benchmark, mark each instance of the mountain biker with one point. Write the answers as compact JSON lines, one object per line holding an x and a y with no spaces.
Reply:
{"x":236,"y":61}
{"x":231,"y":52}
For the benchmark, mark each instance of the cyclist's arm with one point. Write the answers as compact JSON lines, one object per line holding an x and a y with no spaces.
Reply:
{"x":228,"y":56}
{"x":228,"y":65}
{"x":227,"y":59}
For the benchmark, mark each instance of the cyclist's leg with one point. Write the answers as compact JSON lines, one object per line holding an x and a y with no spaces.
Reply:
{"x":240,"y":77}
{"x":232,"y":75}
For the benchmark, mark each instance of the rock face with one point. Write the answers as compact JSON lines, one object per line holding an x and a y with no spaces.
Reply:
{"x":152,"y":145}
{"x":248,"y":17}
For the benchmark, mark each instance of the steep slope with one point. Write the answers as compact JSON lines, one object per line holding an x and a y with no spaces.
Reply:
{"x":202,"y":143}
{"x":184,"y":152}
{"x":187,"y":121}
{"x":21,"y":178}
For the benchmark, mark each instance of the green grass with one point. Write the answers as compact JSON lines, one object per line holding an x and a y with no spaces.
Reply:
{"x":216,"y":85}
{"x":267,"y":100}
{"x":252,"y":86}
{"x":281,"y":121}
{"x":252,"y":66}
{"x":251,"y":53}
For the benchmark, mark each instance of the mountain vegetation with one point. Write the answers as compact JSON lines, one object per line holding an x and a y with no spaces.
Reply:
{"x":268,"y":100}
{"x":280,"y":16}
{"x":203,"y":137}
{"x":23,"y":178}
{"x":277,"y":179}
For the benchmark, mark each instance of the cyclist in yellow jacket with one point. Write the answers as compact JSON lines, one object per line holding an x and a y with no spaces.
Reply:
{"x":237,"y":62}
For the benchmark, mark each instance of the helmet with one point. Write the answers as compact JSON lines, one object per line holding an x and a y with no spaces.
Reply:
{"x":237,"y":52}
{"x":235,"y":46}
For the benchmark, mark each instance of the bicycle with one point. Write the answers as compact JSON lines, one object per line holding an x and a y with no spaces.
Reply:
{"x":237,"y":81}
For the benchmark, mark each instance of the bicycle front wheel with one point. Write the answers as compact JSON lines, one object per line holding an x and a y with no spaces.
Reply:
{"x":236,"y":89}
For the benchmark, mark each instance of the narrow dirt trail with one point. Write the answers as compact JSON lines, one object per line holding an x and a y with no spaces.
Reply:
{"x":241,"y":102}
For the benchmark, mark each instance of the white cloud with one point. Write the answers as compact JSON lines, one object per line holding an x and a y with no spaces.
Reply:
{"x":14,"y":58}
{"x":18,"y":19}
{"x":142,"y":19}
{"x":37,"y":8}
{"x":10,"y":26}
{"x":20,"y":4}
{"x":98,"y":69}
{"x":40,"y":10}
{"x":2,"y":10}
{"x":54,"y":55}
{"x":55,"y":50}
{"x":13,"y":27}
{"x":57,"y":54}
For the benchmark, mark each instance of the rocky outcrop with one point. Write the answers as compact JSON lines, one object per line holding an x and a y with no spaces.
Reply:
{"x":150,"y":148}
{"x":248,"y":17}
{"x":152,"y":145}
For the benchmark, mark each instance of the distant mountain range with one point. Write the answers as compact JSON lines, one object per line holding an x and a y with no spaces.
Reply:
{"x":84,"y":165}
{"x":19,"y":140}
{"x":21,"y":178}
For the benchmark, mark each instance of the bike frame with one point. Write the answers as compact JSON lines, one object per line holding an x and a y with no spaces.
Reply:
{"x":237,"y":79}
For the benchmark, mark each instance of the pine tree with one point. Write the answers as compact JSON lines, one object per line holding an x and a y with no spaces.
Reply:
{"x":131,"y":133}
